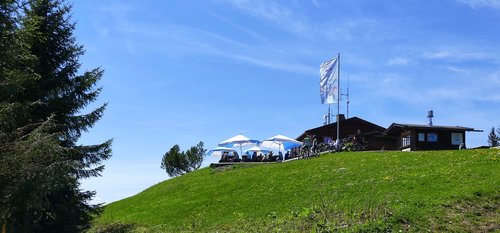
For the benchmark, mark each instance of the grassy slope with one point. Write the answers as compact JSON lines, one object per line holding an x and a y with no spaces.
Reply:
{"x":397,"y":190}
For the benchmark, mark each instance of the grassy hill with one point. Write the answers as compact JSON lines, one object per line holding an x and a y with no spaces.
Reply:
{"x":353,"y":192}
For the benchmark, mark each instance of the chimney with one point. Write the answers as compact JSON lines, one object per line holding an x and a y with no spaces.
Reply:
{"x":430,"y":115}
{"x":340,"y":117}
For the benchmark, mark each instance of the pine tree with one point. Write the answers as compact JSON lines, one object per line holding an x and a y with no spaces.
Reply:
{"x":498,"y":133}
{"x":194,"y":156}
{"x":41,"y":95}
{"x":14,"y":72}
{"x":493,"y":138}
{"x":177,"y":162}
{"x":174,"y":161}
{"x":60,"y":90}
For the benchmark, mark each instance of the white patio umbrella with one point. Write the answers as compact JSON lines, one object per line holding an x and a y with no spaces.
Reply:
{"x":279,"y":141}
{"x":217,"y":151}
{"x":238,"y":141}
{"x":257,"y":149}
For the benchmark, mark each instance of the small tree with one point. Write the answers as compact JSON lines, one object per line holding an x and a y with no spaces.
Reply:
{"x":174,"y":161}
{"x":195,"y":156}
{"x":177,"y":162}
{"x":493,"y":137}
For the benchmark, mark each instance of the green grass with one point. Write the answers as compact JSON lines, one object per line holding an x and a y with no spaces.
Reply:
{"x":354,"y":192}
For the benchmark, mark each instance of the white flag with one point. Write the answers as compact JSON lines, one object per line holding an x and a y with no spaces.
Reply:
{"x":328,"y":73}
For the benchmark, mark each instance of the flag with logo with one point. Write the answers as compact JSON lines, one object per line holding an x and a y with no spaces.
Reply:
{"x":328,"y":73}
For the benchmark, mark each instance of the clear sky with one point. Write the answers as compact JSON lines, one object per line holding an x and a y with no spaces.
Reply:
{"x":180,"y":72}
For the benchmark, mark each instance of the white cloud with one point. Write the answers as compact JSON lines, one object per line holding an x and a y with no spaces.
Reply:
{"x":241,"y":28}
{"x":117,"y":10}
{"x":457,"y":70}
{"x":275,"y":64}
{"x":397,"y":61}
{"x":285,"y":18}
{"x":354,"y":29}
{"x":476,"y":4}
{"x":264,"y":9}
{"x":165,"y":39}
{"x":456,"y":55}
{"x":273,"y":12}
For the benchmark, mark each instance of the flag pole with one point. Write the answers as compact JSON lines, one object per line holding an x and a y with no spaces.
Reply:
{"x":338,"y":97}
{"x":329,"y":114}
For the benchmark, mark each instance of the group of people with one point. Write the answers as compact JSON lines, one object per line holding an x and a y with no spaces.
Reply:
{"x":311,"y":146}
{"x":257,"y":157}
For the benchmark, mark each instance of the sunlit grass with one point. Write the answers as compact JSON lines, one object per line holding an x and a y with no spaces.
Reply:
{"x":344,"y":191}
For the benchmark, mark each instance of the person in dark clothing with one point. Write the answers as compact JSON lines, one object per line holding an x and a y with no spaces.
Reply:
{"x":358,"y":138}
{"x":287,"y":155}
{"x":254,"y":156}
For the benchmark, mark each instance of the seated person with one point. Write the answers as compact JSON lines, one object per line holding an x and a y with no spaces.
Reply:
{"x":254,"y":156}
{"x":287,"y":155}
{"x":224,"y":157}
{"x":230,"y":157}
{"x":260,"y":158}
{"x":271,"y":157}
{"x":236,"y":157}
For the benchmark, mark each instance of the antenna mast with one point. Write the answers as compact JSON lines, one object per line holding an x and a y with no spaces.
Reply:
{"x":347,"y":94}
{"x":347,"y":103}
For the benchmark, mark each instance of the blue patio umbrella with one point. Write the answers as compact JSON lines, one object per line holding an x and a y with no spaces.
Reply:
{"x":238,"y":141}
{"x":279,"y":142}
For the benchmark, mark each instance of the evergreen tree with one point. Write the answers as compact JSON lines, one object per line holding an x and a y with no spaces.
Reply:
{"x":174,"y":161}
{"x":14,"y":71}
{"x":33,"y":167}
{"x":194,"y":156}
{"x":60,"y":90}
{"x":498,"y":133}
{"x":177,"y":162}
{"x":493,"y":138}
{"x":41,"y":95}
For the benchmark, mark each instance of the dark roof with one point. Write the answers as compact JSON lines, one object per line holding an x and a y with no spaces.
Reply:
{"x":353,"y":122}
{"x":352,"y":119}
{"x":399,"y":127}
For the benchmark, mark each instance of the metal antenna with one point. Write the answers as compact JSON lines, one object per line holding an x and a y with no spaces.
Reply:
{"x":347,"y":94}
{"x":430,"y":115}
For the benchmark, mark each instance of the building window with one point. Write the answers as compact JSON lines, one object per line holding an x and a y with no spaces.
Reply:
{"x":457,"y":138}
{"x":432,"y":137}
{"x":421,"y":137}
{"x":405,"y":141}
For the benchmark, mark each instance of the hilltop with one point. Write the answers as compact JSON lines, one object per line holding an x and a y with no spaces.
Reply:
{"x":355,"y":192}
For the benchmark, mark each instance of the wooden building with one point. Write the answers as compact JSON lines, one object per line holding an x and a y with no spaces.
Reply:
{"x":371,"y":132}
{"x":407,"y":137}
{"x":411,"y":137}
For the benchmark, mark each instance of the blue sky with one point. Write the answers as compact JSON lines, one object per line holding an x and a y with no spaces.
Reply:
{"x":180,"y":72}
